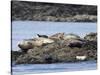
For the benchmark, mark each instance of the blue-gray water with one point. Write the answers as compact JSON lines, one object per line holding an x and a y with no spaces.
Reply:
{"x":28,"y":29}
{"x":48,"y":68}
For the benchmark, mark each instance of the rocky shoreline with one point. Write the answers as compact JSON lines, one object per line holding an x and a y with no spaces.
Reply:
{"x":40,"y":11}
{"x":65,"y":48}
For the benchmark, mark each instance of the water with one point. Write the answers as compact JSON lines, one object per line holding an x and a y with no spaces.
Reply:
{"x":49,"y":68}
{"x":28,"y":29}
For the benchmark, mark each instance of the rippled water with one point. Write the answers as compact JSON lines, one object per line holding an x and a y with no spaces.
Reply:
{"x":28,"y":29}
{"x":48,"y":68}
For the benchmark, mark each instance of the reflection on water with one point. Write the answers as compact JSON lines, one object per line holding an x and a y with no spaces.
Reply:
{"x":28,"y":29}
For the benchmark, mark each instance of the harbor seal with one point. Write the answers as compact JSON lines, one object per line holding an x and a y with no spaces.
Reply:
{"x":73,"y":43}
{"x":57,"y":36}
{"x":24,"y":45}
{"x":71,"y":36}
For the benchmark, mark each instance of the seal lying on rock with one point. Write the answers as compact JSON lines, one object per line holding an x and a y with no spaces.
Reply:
{"x":73,"y":40}
{"x":57,"y":36}
{"x":25,"y":45}
{"x":43,"y":40}
{"x":71,"y":36}
{"x":30,"y":43}
{"x":74,"y":43}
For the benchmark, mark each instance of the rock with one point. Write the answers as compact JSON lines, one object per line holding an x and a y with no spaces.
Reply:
{"x":54,"y":54}
{"x":15,"y":55}
{"x":38,"y":11}
{"x":91,"y":37}
{"x":90,"y":45}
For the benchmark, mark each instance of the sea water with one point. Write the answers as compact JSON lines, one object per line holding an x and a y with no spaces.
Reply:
{"x":49,"y":68}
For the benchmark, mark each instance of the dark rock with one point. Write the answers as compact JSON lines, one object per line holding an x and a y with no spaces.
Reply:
{"x":15,"y":55}
{"x":90,"y":45}
{"x":39,"y":11}
{"x":48,"y":59}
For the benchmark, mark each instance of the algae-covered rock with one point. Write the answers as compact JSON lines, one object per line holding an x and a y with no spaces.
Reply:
{"x":55,"y":55}
{"x":59,"y":50}
{"x":90,"y":45}
{"x":91,"y":37}
{"x":15,"y":55}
